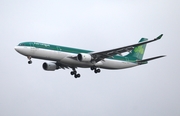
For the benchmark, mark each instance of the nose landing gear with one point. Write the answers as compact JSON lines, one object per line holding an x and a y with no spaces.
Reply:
{"x":30,"y":61}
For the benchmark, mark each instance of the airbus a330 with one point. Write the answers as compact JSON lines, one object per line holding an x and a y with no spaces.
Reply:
{"x":66,"y":57}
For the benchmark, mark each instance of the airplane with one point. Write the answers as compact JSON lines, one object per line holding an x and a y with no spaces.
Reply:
{"x":62,"y":57}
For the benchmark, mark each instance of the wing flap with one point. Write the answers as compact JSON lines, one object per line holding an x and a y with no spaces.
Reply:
{"x":63,"y":66}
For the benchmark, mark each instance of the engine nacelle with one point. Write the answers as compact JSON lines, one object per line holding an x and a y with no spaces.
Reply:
{"x":49,"y":66}
{"x":83,"y":57}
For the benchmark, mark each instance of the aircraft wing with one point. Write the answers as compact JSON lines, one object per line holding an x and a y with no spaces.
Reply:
{"x":98,"y":56}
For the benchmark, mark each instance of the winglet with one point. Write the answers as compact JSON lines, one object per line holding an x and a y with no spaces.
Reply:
{"x":159,"y":37}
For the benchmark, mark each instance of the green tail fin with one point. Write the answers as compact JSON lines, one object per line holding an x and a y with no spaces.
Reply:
{"x":138,"y":52}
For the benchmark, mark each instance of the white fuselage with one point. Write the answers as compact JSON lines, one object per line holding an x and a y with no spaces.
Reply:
{"x":66,"y":58}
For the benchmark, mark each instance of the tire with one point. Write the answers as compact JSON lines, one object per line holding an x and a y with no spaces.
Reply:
{"x":30,"y":62}
{"x":78,"y":75}
{"x":72,"y":73}
{"x":97,"y":71}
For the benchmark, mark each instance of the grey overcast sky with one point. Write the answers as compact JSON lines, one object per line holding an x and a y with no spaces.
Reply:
{"x":148,"y":90}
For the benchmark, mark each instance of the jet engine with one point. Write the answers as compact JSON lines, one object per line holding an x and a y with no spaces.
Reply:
{"x":84,"y":57}
{"x":49,"y":66}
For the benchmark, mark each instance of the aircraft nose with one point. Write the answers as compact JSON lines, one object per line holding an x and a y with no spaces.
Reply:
{"x":16,"y":48}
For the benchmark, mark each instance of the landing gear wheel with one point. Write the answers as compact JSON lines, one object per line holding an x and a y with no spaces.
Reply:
{"x":97,"y":71}
{"x":77,"y":75}
{"x":72,"y":73}
{"x":30,"y":62}
{"x":93,"y":68}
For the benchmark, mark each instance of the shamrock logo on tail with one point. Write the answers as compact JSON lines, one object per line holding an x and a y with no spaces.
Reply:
{"x":139,"y":49}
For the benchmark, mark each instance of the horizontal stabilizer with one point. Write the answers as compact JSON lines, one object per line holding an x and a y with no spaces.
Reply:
{"x":146,"y":60}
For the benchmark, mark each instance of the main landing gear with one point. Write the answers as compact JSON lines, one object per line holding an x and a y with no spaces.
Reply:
{"x":29,"y":62}
{"x":96,"y":70}
{"x":74,"y":72}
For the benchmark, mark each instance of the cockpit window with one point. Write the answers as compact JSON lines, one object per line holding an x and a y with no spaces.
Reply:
{"x":21,"y":44}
